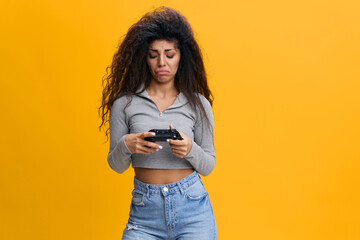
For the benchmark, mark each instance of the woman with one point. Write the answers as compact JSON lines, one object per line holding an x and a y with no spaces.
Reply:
{"x":158,"y":81}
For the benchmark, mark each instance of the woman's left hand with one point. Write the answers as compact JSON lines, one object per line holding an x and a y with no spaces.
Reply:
{"x":180,"y":148}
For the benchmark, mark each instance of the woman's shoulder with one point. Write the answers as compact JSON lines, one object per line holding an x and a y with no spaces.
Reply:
{"x":120,"y":102}
{"x":204,"y":100}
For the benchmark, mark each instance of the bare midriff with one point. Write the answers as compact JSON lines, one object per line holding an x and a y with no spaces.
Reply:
{"x":161,"y":176}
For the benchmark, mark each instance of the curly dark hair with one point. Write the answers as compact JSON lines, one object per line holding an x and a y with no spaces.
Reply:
{"x":129,"y":68}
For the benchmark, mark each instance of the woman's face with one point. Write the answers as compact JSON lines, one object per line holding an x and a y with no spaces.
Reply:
{"x":163,"y":60}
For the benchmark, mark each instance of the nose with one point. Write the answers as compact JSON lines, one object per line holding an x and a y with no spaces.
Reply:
{"x":161,"y":61}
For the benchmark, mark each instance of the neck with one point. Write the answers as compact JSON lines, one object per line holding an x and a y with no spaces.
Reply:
{"x":162,"y":89}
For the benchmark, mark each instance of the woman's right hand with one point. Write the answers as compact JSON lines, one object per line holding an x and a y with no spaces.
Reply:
{"x":137,"y":144}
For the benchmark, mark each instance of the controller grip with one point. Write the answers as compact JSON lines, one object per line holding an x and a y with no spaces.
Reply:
{"x":161,"y":135}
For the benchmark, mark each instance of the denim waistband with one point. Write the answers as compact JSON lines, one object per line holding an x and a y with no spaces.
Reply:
{"x":168,"y":188}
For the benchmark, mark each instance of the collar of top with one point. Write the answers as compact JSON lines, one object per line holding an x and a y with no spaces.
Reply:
{"x":179,"y":101}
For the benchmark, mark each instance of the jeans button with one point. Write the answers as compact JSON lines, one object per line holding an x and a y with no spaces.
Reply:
{"x":165,"y":189}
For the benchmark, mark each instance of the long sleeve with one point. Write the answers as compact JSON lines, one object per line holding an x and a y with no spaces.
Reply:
{"x":202,"y":154}
{"x":119,"y":157}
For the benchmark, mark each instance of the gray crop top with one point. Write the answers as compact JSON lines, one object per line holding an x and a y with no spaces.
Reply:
{"x":142,"y":115}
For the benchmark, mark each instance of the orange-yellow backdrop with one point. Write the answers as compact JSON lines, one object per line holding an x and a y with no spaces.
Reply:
{"x":285,"y":75}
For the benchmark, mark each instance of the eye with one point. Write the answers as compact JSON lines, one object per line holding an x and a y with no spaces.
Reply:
{"x":151,"y":56}
{"x":170,"y":56}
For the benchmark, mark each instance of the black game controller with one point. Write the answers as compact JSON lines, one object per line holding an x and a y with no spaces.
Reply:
{"x":163,"y":134}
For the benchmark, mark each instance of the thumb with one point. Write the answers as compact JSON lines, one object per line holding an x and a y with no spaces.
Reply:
{"x":171,"y":126}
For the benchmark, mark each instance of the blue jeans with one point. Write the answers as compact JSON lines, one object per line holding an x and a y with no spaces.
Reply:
{"x":180,"y":210}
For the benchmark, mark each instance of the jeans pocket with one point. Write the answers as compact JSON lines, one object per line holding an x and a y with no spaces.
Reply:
{"x":196,"y":191}
{"x":137,"y":198}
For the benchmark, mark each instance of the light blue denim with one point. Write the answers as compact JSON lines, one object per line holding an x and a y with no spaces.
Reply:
{"x":176,"y":211}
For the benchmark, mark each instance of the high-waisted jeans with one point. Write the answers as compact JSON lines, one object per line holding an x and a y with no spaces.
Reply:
{"x":179,"y":211}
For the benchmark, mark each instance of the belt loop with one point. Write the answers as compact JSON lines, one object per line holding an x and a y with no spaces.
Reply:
{"x":148,"y":191}
{"x":181,"y":190}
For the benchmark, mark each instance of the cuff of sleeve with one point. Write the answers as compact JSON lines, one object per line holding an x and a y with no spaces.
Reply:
{"x":193,"y":151}
{"x":124,"y":146}
{"x":120,"y":157}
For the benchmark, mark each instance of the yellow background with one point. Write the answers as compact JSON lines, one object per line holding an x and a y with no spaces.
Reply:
{"x":285,"y":76}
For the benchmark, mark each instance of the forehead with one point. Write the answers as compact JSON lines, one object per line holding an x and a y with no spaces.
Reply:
{"x":163,"y":44}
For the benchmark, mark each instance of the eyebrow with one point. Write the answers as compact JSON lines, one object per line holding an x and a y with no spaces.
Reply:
{"x":166,"y":50}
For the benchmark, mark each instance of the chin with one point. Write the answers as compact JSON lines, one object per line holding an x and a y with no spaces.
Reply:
{"x":163,"y":80}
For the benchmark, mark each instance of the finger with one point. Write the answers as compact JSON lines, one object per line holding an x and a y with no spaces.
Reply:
{"x":171,"y":126}
{"x":178,"y":151}
{"x":182,"y":135}
{"x":179,"y":154}
{"x":147,"y":134}
{"x":151,"y":145}
{"x":140,"y":148}
{"x":176,"y":142}
{"x":145,"y":150}
{"x":177,"y":146}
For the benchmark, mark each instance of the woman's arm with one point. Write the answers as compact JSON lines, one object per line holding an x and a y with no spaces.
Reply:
{"x":119,"y":156}
{"x":200,"y":152}
{"x":122,"y":143}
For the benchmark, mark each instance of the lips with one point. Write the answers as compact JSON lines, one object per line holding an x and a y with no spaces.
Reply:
{"x":162,"y":72}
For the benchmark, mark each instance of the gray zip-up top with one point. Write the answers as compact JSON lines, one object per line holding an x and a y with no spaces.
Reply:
{"x":142,"y":115}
